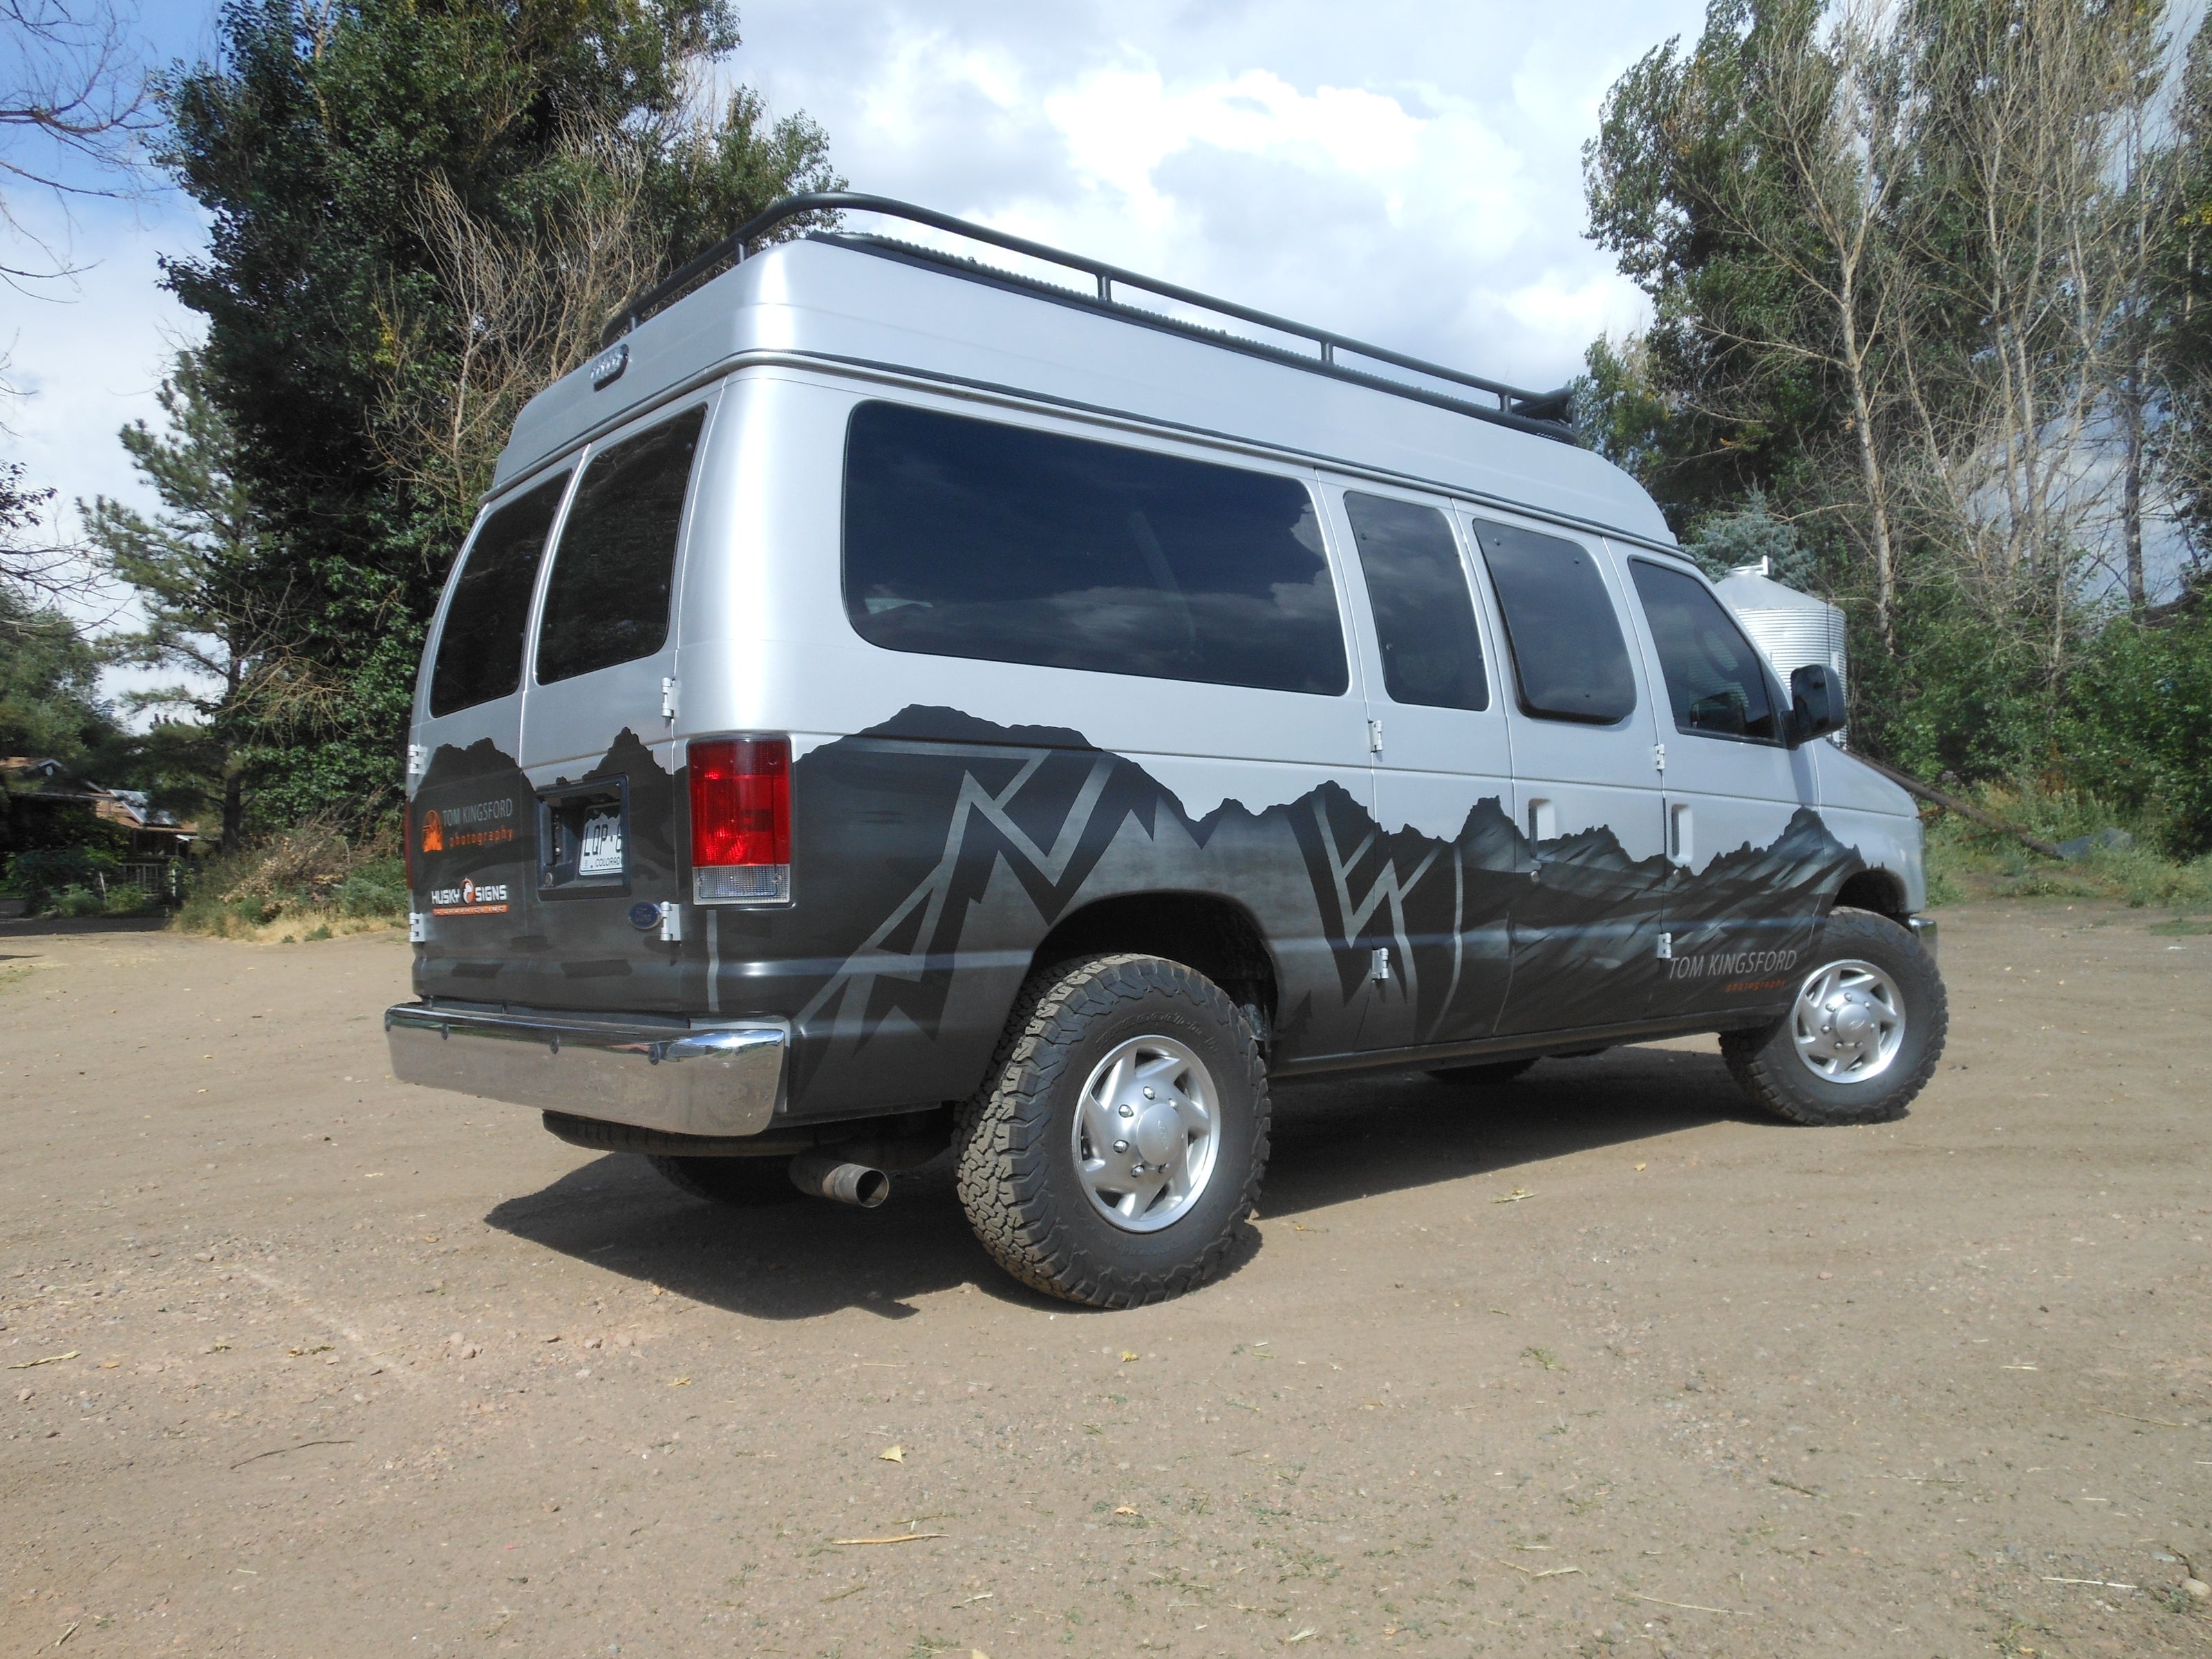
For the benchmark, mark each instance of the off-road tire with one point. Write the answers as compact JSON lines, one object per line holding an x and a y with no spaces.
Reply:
{"x":1016,"y":1166}
{"x":749,"y":1183}
{"x":1484,"y":1076}
{"x":1764,"y":1061}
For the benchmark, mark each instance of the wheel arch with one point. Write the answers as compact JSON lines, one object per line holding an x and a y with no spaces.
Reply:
{"x":1880,"y":890}
{"x":1215,"y":935}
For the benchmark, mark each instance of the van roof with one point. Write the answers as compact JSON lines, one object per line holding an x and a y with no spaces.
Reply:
{"x":872,"y":307}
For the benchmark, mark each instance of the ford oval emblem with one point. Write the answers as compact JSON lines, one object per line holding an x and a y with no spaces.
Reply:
{"x":642,"y":916}
{"x":608,"y":366}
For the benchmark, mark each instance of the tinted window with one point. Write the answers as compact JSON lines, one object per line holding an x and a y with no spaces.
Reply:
{"x":480,"y":654}
{"x":1714,"y":678}
{"x":1569,"y":657}
{"x":1424,"y":616}
{"x":971,"y":538}
{"x":616,"y":566}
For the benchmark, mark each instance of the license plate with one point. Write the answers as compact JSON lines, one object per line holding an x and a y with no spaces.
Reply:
{"x":601,"y":853}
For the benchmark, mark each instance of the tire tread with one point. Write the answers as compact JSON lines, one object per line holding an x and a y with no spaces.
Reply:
{"x":1001,"y":1141}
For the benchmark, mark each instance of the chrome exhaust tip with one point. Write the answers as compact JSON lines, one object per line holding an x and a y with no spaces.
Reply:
{"x":820,"y":1176}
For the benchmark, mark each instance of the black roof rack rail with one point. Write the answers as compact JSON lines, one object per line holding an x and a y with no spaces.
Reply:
{"x":1545,"y":414}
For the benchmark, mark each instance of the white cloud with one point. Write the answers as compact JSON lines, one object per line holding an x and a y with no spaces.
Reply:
{"x":1409,"y":173}
{"x":1405,"y":172}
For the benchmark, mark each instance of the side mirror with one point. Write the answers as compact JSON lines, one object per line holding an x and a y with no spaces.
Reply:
{"x":1816,"y":704}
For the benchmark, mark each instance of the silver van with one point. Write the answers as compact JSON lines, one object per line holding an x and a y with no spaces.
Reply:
{"x":892,"y":702}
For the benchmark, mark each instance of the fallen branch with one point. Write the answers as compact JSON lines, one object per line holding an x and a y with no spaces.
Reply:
{"x":1912,"y":785}
{"x":51,"y":1359}
{"x":1530,"y":1572}
{"x":280,"y":1450}
{"x":2101,"y":1583}
{"x":2160,"y":1421}
{"x":1688,"y":1607}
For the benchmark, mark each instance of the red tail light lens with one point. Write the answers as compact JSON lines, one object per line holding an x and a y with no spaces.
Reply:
{"x":740,"y":820}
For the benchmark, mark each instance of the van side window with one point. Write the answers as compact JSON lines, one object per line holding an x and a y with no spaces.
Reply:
{"x":1568,"y":657}
{"x":974,"y":538}
{"x":480,"y":654}
{"x":1423,"y":614}
{"x":616,"y":566}
{"x":1714,"y":678}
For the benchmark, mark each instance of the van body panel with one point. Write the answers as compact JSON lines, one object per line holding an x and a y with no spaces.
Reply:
{"x":840,"y":306}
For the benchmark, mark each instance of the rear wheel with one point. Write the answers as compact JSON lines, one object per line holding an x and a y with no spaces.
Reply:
{"x":1120,"y":1136}
{"x":745,"y":1183}
{"x":1496,"y":1072}
{"x":1862,"y":1034}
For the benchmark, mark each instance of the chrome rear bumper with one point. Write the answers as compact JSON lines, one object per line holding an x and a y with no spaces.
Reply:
{"x":723,"y":1079}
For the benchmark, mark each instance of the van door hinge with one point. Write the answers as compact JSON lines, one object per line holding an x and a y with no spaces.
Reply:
{"x":1659,"y":756}
{"x":417,"y":757}
{"x":1378,"y":968}
{"x":1666,"y":947}
{"x":668,"y":699}
{"x":1374,"y":737}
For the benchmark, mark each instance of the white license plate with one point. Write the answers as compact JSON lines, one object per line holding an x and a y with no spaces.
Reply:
{"x":602,"y":853}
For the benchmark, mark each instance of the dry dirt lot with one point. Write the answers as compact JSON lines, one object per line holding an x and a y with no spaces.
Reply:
{"x":1597,"y":1363}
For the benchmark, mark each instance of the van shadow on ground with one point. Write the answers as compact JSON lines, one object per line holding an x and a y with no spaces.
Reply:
{"x":1335,"y":1140}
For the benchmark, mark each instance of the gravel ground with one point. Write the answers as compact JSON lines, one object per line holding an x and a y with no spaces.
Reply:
{"x":303,"y":1362}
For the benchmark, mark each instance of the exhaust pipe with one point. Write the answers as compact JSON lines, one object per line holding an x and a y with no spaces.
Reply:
{"x":821,"y":1175}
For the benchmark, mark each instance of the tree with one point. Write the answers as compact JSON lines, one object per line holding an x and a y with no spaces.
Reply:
{"x":195,"y":567}
{"x":50,"y":700}
{"x":1903,"y":261}
{"x":72,"y":110}
{"x":415,"y":206}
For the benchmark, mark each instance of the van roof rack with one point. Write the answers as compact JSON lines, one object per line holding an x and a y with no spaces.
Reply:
{"x":1545,"y":414}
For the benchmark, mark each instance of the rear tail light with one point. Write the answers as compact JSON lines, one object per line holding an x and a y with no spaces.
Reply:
{"x":741,"y":821}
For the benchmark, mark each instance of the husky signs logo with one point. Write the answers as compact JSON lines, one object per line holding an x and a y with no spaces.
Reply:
{"x":433,"y":832}
{"x":470,"y":898}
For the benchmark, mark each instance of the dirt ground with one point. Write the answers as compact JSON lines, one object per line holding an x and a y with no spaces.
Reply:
{"x":304,"y":1362}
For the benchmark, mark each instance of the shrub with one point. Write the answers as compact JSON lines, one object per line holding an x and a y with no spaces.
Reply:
{"x":315,"y":870}
{"x":41,"y":878}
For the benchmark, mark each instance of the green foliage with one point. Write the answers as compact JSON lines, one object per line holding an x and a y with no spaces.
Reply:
{"x":1723,"y":541}
{"x":196,"y":569}
{"x":315,"y":872}
{"x":1966,"y":860}
{"x":50,"y":700}
{"x":2138,"y":724}
{"x":44,"y":876}
{"x":322,"y":144}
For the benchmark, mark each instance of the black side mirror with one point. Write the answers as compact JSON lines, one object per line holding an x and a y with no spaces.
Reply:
{"x":1816,"y":704}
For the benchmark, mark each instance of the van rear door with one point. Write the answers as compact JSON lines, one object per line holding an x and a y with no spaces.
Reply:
{"x":469,"y":824}
{"x":598,"y":717}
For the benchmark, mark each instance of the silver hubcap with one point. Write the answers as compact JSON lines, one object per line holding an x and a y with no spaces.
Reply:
{"x":1848,"y":1022}
{"x":1146,"y":1134}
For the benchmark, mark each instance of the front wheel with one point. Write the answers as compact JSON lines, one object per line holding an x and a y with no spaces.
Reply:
{"x":1120,"y":1135}
{"x":1862,"y":1034}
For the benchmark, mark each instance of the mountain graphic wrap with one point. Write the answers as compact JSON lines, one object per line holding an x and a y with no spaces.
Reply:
{"x":933,"y":854}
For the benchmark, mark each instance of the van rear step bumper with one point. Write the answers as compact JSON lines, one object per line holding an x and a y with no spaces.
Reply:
{"x":722,"y":1078}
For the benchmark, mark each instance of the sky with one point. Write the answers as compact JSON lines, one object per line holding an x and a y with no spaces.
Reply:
{"x":1408,"y":174}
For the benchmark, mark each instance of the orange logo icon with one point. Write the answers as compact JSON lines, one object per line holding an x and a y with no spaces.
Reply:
{"x":434,"y":832}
